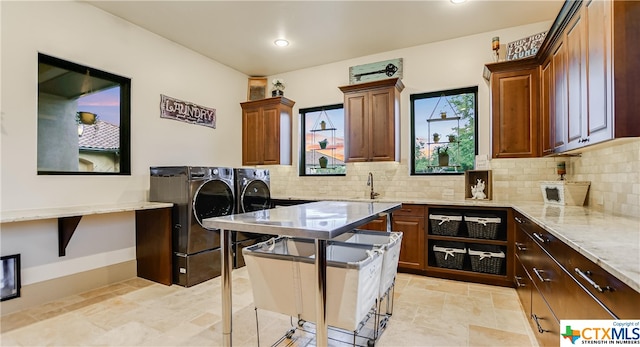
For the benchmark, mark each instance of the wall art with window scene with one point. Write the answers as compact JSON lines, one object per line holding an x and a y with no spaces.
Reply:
{"x":444,"y":131}
{"x":322,"y":151}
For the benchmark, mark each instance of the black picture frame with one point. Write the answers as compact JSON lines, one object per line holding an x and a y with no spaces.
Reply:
{"x":10,"y":282}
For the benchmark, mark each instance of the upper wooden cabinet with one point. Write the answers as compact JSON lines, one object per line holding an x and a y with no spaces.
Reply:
{"x":266,"y":131}
{"x":588,"y":77}
{"x":514,"y":112}
{"x":372,"y":114}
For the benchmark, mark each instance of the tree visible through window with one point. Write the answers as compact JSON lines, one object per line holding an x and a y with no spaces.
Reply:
{"x":444,"y":131}
{"x":322,"y":142}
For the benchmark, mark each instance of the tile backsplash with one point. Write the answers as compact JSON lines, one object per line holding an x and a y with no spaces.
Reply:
{"x":613,"y":169}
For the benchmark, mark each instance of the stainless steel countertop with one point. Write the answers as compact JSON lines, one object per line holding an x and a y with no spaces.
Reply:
{"x":322,"y":220}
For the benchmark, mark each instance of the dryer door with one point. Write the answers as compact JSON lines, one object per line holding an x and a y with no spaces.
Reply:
{"x":214,"y":198}
{"x":255,"y":196}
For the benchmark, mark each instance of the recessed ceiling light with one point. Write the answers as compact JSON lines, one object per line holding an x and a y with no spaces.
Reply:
{"x":281,"y":42}
{"x":458,"y":1}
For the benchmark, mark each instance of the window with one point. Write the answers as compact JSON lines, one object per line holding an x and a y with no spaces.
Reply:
{"x":322,"y":142}
{"x":444,"y":133}
{"x":83,"y":119}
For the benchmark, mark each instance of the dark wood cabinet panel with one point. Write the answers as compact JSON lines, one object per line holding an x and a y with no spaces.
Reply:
{"x":546,"y":104}
{"x":372,"y":114}
{"x":546,"y":327}
{"x":514,"y":110}
{"x":379,"y":224}
{"x":153,"y":245}
{"x":266,"y":131}
{"x":412,"y":251}
{"x":559,"y":107}
{"x":523,"y":284}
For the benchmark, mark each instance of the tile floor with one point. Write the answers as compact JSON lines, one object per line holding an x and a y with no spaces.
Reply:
{"x":427,"y":312}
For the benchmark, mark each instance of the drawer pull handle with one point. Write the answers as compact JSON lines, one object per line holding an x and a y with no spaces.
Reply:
{"x":540,"y":330}
{"x":542,"y":279}
{"x":519,"y":220}
{"x":585,"y":275}
{"x":517,"y":280}
{"x":539,"y":237}
{"x":520,"y":246}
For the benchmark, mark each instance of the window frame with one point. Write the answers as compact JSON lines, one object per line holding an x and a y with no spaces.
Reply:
{"x":302,"y":172}
{"x":448,"y":92}
{"x":125,"y":115}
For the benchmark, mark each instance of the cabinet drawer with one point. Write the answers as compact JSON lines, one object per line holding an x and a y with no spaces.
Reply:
{"x":620,"y":299}
{"x":410,"y":210}
{"x":523,"y":284}
{"x":567,"y":299}
{"x":546,"y":327}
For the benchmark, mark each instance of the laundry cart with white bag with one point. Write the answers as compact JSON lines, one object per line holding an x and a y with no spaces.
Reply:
{"x":282,"y":273}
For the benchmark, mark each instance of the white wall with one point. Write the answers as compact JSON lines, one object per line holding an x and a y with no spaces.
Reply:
{"x":83,"y":34}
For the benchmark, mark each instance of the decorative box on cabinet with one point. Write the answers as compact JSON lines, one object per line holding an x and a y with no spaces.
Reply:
{"x":372,"y":114}
{"x":266,"y":131}
{"x":514,"y":109}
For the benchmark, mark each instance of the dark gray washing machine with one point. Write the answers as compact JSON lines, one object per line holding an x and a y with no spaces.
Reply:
{"x":197,"y":193}
{"x":253,"y":193}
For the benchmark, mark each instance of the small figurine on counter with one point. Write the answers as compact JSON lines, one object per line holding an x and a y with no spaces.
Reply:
{"x":477,"y":191}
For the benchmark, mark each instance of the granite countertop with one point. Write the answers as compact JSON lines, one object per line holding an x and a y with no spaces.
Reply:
{"x":609,"y":240}
{"x":70,"y":211}
{"x":316,"y":220}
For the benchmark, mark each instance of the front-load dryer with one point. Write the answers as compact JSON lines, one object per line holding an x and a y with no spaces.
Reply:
{"x":197,"y":193}
{"x":253,"y":193}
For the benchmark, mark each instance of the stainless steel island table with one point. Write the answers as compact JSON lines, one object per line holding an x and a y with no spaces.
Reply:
{"x":320,"y":221}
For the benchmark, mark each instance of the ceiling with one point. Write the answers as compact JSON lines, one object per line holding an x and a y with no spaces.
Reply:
{"x":240,"y":34}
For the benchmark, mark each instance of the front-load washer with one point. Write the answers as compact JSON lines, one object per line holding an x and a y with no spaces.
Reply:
{"x":253,"y":193}
{"x":197,"y":193}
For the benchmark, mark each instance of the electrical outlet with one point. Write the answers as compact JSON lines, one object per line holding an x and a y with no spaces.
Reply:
{"x":600,"y":199}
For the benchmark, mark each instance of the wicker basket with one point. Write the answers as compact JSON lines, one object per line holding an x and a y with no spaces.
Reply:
{"x":486,"y":258}
{"x":483,"y":227}
{"x":449,"y":254}
{"x":445,"y":224}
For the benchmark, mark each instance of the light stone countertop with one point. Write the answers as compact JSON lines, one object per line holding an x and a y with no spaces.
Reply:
{"x":609,"y":240}
{"x":70,"y":211}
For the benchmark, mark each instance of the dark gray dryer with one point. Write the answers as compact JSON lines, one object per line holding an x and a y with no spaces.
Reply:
{"x":197,"y":193}
{"x":253,"y":193}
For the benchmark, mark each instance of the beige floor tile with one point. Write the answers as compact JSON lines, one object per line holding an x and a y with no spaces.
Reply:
{"x":137,"y":312}
{"x":483,"y":336}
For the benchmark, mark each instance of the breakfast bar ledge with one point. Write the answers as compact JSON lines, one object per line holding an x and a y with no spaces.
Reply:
{"x":320,"y":221}
{"x":69,"y":217}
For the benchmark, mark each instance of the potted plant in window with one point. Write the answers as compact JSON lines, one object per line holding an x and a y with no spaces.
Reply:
{"x":452,"y":138}
{"x":443,"y":156}
{"x":436,"y":137}
{"x":323,"y":162}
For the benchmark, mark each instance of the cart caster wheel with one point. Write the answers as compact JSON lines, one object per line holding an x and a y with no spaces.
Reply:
{"x":371,"y":343}
{"x":301,"y":322}
{"x":290,"y":333}
{"x":383,"y":323}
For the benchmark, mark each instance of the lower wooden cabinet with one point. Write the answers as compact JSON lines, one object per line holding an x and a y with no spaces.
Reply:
{"x":410,"y":221}
{"x":546,"y":326}
{"x":153,"y":245}
{"x":379,"y":224}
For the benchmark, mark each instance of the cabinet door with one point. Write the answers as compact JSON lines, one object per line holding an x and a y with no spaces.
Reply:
{"x":382,"y":134}
{"x":576,"y":82}
{"x":546,"y":108}
{"x":599,"y":122}
{"x":252,"y":138}
{"x":412,"y":252}
{"x":379,"y":224}
{"x":356,"y":127}
{"x":559,"y":98}
{"x":270,"y":136}
{"x":514,"y":103}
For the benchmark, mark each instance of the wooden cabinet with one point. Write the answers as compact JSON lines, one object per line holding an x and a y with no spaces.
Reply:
{"x":464,"y":238}
{"x":593,"y":85}
{"x":563,"y":283}
{"x":372,"y":114}
{"x":153,"y":245}
{"x":514,"y":111}
{"x":266,"y":131}
{"x":410,"y":221}
{"x":379,"y":224}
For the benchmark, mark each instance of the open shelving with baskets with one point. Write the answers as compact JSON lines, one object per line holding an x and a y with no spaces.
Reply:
{"x":469,"y":244}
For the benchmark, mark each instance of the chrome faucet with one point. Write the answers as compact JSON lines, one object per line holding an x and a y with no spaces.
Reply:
{"x":372,"y":194}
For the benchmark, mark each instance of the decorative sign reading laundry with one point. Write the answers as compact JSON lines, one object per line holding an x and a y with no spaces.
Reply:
{"x":187,"y":112}
{"x":526,"y":47}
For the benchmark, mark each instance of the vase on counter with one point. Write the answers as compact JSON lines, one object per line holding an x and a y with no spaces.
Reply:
{"x":323,"y":162}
